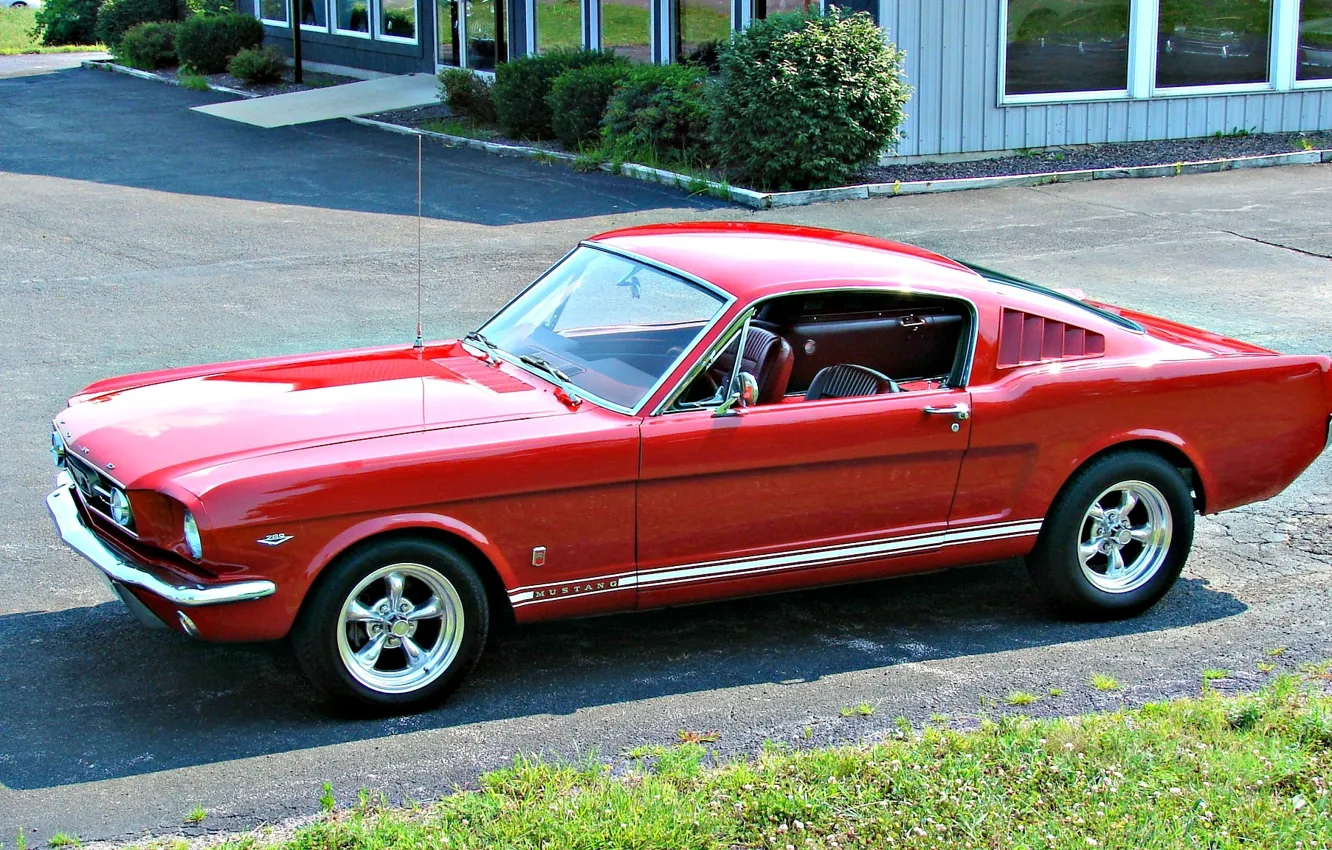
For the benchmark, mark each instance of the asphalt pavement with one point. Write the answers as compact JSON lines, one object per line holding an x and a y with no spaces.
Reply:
{"x":135,"y":234}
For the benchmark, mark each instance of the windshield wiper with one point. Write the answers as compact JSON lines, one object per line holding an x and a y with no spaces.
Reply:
{"x":487,"y":347}
{"x":554,"y":371}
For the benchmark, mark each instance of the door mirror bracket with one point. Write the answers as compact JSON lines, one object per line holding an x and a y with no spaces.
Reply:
{"x":744,"y":393}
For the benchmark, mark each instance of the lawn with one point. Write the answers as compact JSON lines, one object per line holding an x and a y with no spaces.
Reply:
{"x":16,"y":35}
{"x":1212,"y":772}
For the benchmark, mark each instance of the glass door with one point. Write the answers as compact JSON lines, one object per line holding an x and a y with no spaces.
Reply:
{"x":448,"y":38}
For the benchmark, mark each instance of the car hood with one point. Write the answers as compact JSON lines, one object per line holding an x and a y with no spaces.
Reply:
{"x":184,"y":419}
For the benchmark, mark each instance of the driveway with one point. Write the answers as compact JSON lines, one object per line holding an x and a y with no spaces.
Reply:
{"x":135,"y":234}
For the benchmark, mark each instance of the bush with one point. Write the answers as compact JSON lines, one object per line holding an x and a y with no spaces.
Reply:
{"x":707,"y":55}
{"x":149,"y":46}
{"x":206,"y":43}
{"x":521,"y":87}
{"x":468,"y":95}
{"x":67,"y":22}
{"x":116,"y":17}
{"x":806,"y":100}
{"x":658,"y":111}
{"x":578,"y":99}
{"x":261,"y":65}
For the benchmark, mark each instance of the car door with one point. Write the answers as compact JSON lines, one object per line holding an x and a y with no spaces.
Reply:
{"x":794,"y":494}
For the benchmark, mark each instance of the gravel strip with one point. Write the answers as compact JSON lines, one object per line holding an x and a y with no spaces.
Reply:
{"x":1122,"y":155}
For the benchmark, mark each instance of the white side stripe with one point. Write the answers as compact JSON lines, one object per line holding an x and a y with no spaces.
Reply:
{"x":763,"y":564}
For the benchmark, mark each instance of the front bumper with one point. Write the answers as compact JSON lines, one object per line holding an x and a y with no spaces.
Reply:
{"x":122,"y":571}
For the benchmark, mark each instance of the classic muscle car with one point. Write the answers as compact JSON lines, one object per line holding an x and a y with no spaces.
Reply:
{"x":673,"y":414}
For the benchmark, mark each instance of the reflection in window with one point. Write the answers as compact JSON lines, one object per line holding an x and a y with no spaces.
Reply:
{"x":449,"y":50}
{"x":764,"y":8}
{"x":626,"y":29}
{"x":1315,"y":45}
{"x":1217,"y":42}
{"x":273,"y":10}
{"x":314,"y":13}
{"x":486,"y":44}
{"x":559,"y":24}
{"x":700,"y":23}
{"x":1067,"y":46}
{"x":397,"y":18}
{"x":352,"y":16}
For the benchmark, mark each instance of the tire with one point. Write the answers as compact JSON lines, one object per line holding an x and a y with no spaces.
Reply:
{"x":1112,"y":567}
{"x":420,"y":660}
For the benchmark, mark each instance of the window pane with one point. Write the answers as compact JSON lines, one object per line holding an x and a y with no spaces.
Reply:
{"x":273,"y":10}
{"x":700,"y":21}
{"x":764,"y":8}
{"x":625,"y":28}
{"x":486,"y":44}
{"x":559,"y":24}
{"x":448,"y":51}
{"x":352,"y":16}
{"x":1213,"y":42}
{"x":1067,"y":46}
{"x":314,"y":13}
{"x":1315,"y":51}
{"x":397,"y":18}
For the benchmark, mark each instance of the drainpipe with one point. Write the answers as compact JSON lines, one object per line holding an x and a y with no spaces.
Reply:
{"x":295,"y":17}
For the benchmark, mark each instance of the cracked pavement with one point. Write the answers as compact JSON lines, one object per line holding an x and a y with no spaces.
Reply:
{"x":123,"y":248}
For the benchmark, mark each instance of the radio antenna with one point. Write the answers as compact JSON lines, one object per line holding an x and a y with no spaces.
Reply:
{"x":420,"y":341}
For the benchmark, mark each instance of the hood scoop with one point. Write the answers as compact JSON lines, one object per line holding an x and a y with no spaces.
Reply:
{"x":487,"y":376}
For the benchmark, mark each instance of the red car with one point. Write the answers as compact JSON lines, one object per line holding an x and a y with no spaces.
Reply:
{"x":674,"y":414}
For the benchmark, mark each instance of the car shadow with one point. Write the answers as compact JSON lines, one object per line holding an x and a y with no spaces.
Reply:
{"x":90,"y":695}
{"x":83,"y":125}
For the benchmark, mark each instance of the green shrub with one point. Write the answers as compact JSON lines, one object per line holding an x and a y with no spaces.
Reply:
{"x":67,"y":22}
{"x":658,"y":112}
{"x":258,"y":65}
{"x":148,"y":46}
{"x":206,"y":43}
{"x":806,"y":100}
{"x":468,"y":95}
{"x":116,"y":17}
{"x":578,"y":99}
{"x":521,"y":87}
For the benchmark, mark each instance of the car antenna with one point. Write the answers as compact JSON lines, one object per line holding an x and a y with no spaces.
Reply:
{"x":420,"y":341}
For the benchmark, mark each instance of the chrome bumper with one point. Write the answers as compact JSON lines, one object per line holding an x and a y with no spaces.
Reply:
{"x":118,"y":570}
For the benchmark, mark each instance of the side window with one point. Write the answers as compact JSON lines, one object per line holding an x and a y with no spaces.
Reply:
{"x":708,"y":387}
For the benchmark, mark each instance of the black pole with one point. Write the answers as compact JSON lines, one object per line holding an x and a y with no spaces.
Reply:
{"x":296,"y":11}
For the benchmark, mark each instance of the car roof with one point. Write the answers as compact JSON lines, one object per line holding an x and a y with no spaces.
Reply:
{"x":752,"y":260}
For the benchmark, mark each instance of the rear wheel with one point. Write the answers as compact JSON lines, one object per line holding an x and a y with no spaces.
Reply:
{"x":394,"y":626}
{"x":1116,"y":538}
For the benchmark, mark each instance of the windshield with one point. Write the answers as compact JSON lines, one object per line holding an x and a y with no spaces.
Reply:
{"x":611,"y":326}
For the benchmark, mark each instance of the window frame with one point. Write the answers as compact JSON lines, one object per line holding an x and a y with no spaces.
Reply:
{"x":379,"y":35}
{"x":286,"y":10}
{"x":584,"y":23}
{"x":1144,"y":18}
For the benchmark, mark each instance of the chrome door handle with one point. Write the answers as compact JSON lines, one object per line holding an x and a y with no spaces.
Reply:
{"x":960,"y":411}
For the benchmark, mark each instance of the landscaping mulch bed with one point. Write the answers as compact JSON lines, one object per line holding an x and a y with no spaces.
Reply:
{"x":313,"y":80}
{"x":433,"y":116}
{"x":1120,"y":155}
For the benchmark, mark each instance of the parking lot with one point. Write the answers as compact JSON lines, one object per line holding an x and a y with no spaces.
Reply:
{"x":135,"y":234}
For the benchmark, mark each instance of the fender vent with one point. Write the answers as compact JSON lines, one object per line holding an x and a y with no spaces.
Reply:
{"x":1028,"y":338}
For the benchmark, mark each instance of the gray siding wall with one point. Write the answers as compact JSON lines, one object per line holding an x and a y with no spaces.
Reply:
{"x":952,"y":60}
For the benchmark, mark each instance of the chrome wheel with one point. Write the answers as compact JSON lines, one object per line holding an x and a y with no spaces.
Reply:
{"x":400,"y":628}
{"x":1125,"y":537}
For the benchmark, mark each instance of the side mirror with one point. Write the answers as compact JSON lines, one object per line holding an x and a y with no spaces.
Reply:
{"x":743,"y":394}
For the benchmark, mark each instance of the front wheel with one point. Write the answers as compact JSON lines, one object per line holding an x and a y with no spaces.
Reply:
{"x":394,"y":626}
{"x":1116,"y":538}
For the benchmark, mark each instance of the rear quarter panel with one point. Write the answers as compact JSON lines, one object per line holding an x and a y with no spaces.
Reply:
{"x":1249,"y":424}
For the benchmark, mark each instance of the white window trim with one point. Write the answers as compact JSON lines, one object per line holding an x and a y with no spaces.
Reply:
{"x":393,"y":39}
{"x":370,"y":11}
{"x":1144,"y":16}
{"x":259,"y":13}
{"x":585,"y":9}
{"x":328,"y":19}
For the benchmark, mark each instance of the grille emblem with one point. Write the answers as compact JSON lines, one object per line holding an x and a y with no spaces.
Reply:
{"x":275,"y":539}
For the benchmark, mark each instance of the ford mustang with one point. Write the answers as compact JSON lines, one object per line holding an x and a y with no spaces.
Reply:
{"x":673,"y":414}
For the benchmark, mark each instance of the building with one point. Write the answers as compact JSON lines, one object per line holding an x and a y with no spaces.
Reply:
{"x":989,"y":75}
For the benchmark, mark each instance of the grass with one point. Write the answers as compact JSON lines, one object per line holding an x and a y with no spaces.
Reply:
{"x":458,"y":127}
{"x":196,"y":815}
{"x":1056,"y":692}
{"x":192,"y":81}
{"x":16,"y":35}
{"x":61,"y":839}
{"x":1020,"y":698}
{"x":863,"y":709}
{"x":1217,"y":772}
{"x":1102,"y":682}
{"x":1213,"y":673}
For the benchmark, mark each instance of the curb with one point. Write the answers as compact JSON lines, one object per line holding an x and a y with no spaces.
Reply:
{"x":769,"y":200}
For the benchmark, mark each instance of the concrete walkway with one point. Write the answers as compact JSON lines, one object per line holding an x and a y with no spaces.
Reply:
{"x":307,"y":107}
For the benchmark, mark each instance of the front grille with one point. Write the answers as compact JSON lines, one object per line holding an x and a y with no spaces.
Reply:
{"x":93,"y":486}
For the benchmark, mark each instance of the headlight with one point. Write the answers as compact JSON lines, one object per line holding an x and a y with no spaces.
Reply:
{"x":120,"y":508}
{"x":57,"y":449}
{"x":192,"y":537}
